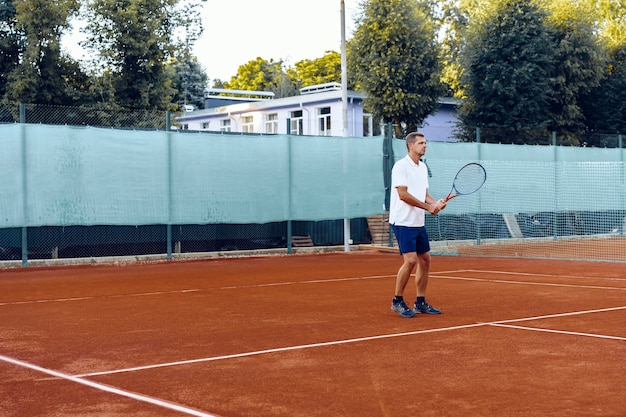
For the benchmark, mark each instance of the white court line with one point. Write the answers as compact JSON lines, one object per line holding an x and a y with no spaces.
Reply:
{"x":545,"y":284}
{"x":343,"y":342}
{"x":313,"y":281}
{"x":107,"y":388}
{"x":283,"y":349}
{"x":437,"y":275}
{"x":529,"y":274}
{"x":61,"y":300}
{"x":183,"y":291}
{"x":537,"y":329}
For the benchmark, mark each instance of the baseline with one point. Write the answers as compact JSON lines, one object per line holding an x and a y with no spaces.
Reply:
{"x":342,"y":342}
{"x":434,"y":275}
{"x":192,"y":290}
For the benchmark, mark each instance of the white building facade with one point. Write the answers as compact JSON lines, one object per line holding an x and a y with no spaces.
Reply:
{"x":317,"y":111}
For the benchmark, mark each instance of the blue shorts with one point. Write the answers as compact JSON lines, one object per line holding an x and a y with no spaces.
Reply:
{"x":411,"y":239}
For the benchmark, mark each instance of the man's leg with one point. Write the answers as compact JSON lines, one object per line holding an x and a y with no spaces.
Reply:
{"x":421,"y":282}
{"x":421,"y":275}
{"x":404,"y":273}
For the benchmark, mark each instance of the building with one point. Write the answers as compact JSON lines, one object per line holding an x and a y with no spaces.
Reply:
{"x":317,"y":111}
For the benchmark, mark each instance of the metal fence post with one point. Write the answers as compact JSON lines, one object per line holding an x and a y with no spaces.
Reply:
{"x":620,"y":143}
{"x":289,"y":173}
{"x":388,"y":160}
{"x":24,"y":186}
{"x":168,"y":124}
{"x":478,"y":222}
{"x":556,"y":189}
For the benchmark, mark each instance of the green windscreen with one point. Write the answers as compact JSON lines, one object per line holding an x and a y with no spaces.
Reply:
{"x":61,"y":175}
{"x":545,"y":201}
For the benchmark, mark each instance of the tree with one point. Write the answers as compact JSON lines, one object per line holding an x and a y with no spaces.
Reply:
{"x":508,"y":65}
{"x":190,"y":82}
{"x":580,"y":64}
{"x":9,"y":43}
{"x":135,"y":39}
{"x":452,"y":18}
{"x":605,"y":106}
{"x":451,"y":23}
{"x":326,"y":69}
{"x":612,"y":22}
{"x":262,"y":75}
{"x":42,"y":74}
{"x":393,"y":57}
{"x":217,"y":83}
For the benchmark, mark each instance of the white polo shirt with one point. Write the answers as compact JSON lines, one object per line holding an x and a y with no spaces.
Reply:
{"x":406,"y":173}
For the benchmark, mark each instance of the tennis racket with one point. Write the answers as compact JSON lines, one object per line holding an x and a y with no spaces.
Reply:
{"x":468,"y":180}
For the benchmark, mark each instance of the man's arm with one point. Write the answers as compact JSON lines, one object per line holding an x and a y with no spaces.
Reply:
{"x":430,"y":205}
{"x":438,"y":204}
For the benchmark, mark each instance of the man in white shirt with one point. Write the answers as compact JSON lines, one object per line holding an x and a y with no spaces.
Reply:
{"x":409,"y":202}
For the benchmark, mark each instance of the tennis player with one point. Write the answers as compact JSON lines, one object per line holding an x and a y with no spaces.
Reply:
{"x":409,"y":202}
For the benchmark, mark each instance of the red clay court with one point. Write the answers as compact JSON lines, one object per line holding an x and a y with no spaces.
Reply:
{"x":313,"y":335}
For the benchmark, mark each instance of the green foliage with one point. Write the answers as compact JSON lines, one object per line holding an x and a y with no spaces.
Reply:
{"x":217,"y":83}
{"x":42,"y":72}
{"x":530,"y":66}
{"x":190,"y":81}
{"x":134,"y":37}
{"x":394,"y":59}
{"x":605,"y":105}
{"x":612,"y":21}
{"x":580,"y":64}
{"x":508,"y":69}
{"x":451,"y":24}
{"x":9,"y":43}
{"x":521,"y":66}
{"x":326,"y":69}
{"x":186,"y":16}
{"x":263,"y":75}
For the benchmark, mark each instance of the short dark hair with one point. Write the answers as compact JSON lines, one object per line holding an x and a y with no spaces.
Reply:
{"x":412,"y":137}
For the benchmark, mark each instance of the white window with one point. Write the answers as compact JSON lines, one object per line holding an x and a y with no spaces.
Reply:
{"x":205,"y":125}
{"x":271,"y":123}
{"x":323,"y":121}
{"x":225,"y":125}
{"x":247,"y":124}
{"x":368,"y":124}
{"x":297,"y":123}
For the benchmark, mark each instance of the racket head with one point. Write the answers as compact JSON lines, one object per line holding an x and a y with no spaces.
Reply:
{"x":468,"y":180}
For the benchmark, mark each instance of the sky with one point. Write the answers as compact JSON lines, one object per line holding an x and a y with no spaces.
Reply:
{"x":238,"y":31}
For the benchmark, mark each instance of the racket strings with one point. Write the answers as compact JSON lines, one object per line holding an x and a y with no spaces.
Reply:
{"x":469,"y":179}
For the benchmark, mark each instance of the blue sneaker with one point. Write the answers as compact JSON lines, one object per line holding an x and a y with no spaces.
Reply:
{"x":425,"y":308}
{"x":402,"y":309}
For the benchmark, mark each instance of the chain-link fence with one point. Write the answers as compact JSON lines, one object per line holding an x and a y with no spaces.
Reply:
{"x":539,"y":137}
{"x":101,"y":240}
{"x":94,"y":241}
{"x":104,"y":115}
{"x":111,"y":115}
{"x":66,"y":242}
